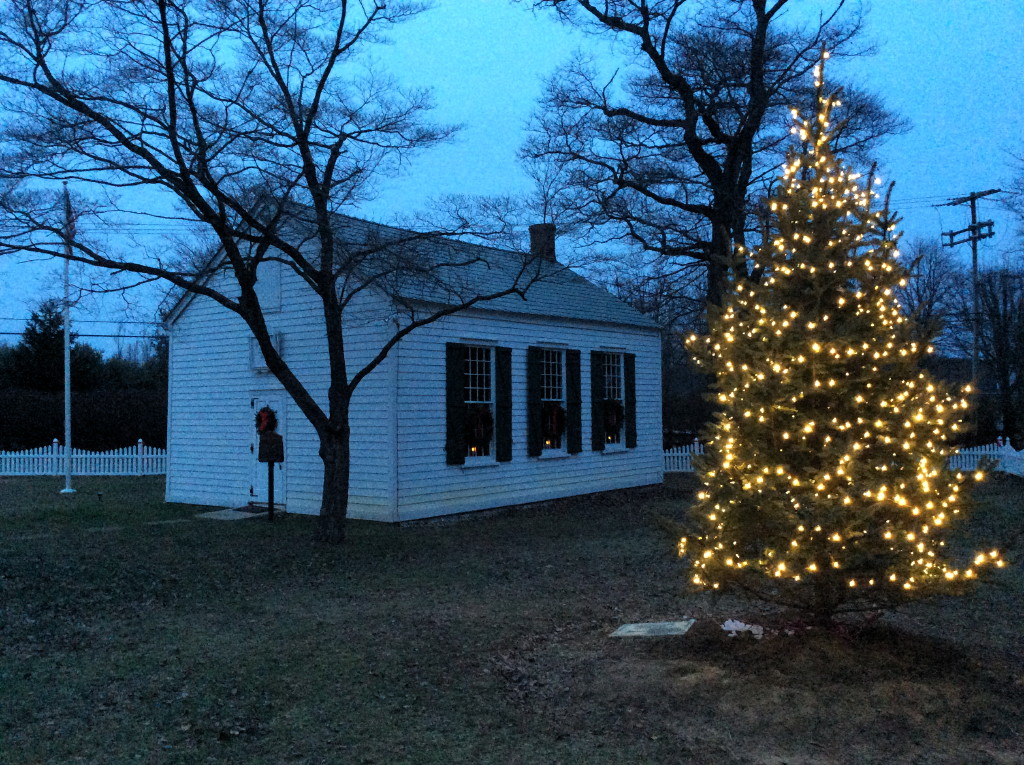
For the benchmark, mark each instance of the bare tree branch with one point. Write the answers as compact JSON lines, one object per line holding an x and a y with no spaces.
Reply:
{"x":263,"y":120}
{"x":675,"y":153}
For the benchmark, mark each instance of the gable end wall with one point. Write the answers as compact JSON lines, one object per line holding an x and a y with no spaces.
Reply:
{"x":210,"y":425}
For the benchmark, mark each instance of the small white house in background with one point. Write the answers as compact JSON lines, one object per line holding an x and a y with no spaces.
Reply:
{"x":512,"y":401}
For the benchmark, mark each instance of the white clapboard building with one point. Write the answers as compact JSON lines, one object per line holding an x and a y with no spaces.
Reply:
{"x":512,"y":401}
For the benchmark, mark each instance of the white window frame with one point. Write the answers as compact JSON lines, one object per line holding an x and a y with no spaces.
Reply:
{"x":490,"y":454}
{"x":619,"y":365}
{"x":256,"y":361}
{"x":546,"y":448}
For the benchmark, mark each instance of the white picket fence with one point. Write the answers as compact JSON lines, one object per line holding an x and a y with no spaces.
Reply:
{"x":680,"y":458}
{"x":49,"y":460}
{"x":1010,"y":460}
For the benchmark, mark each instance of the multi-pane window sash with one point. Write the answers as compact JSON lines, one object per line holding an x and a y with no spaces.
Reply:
{"x":552,"y":396}
{"x":613,"y":397}
{"x":551,"y":376}
{"x":479,"y":398}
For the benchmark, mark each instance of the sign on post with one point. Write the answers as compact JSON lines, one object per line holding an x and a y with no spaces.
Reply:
{"x":271,"y":450}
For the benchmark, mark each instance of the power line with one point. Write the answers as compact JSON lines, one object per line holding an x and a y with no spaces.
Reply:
{"x":141,"y":337}
{"x":922,"y":198}
{"x":86,"y":321}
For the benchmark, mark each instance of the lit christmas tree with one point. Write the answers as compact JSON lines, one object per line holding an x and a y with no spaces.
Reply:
{"x":825,"y":486}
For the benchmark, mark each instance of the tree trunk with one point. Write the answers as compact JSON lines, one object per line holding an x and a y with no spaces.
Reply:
{"x":716,"y":283}
{"x":718,"y":265}
{"x":828,"y":596}
{"x":334,"y":451}
{"x":724,"y":265}
{"x":1006,"y":405}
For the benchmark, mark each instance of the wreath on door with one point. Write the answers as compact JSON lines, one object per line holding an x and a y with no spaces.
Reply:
{"x":479,"y":426}
{"x":552,"y":422}
{"x":266,"y":420}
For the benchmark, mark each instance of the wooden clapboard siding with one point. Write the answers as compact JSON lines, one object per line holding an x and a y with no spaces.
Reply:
{"x":210,"y":422}
{"x":372,"y":439}
{"x":427,"y":486}
{"x":398,"y":466}
{"x":208,"y":407}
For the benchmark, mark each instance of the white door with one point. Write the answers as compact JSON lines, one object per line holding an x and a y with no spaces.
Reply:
{"x":277,"y":401}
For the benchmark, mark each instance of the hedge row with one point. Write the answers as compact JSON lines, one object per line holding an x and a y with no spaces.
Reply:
{"x":100,"y":419}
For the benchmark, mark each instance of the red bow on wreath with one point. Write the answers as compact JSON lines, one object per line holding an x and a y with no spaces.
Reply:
{"x":266,"y":420}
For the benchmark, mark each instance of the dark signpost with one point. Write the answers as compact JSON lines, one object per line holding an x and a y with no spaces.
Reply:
{"x":271,"y":450}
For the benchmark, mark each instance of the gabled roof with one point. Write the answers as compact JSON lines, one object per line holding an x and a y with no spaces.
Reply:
{"x":456,"y":270}
{"x":444,"y":271}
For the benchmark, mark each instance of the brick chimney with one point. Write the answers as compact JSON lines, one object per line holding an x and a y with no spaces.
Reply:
{"x":542,"y":241}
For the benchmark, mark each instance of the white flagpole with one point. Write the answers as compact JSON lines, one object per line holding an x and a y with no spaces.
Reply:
{"x":68,"y":235}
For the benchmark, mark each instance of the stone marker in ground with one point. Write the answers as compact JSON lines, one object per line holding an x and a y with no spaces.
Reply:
{"x":654,"y":629}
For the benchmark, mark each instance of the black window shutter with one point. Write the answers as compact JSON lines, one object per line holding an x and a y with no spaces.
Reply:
{"x":597,"y":433}
{"x":503,"y":404}
{"x":455,"y":403}
{"x":534,"y":437}
{"x":573,"y":404}
{"x":629,"y":360}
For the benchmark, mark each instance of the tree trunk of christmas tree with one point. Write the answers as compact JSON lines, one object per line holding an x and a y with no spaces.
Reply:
{"x":828,"y":596}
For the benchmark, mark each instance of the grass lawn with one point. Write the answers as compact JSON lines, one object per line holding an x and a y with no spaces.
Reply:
{"x":128,"y":638}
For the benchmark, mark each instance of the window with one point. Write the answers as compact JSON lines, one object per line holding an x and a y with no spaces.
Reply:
{"x":612,"y":400}
{"x":613,"y":404}
{"x":552,"y":396}
{"x":478,"y":404}
{"x":268,"y":285}
{"x":553,"y":413}
{"x":256,"y":361}
{"x":479,"y":398}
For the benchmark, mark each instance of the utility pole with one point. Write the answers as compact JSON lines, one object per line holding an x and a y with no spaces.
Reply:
{"x":69,"y":235}
{"x":975,"y":233}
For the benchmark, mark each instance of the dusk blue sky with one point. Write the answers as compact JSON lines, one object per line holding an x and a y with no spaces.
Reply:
{"x":952,"y":67}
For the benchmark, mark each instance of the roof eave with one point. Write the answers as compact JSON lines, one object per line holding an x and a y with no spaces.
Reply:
{"x":644,"y":323}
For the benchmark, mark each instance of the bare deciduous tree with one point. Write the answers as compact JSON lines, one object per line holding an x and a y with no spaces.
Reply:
{"x":667,"y":156}
{"x":1014,"y":200}
{"x":673,"y":296}
{"x":262,"y":119}
{"x":1000,"y":325}
{"x":930,"y":294}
